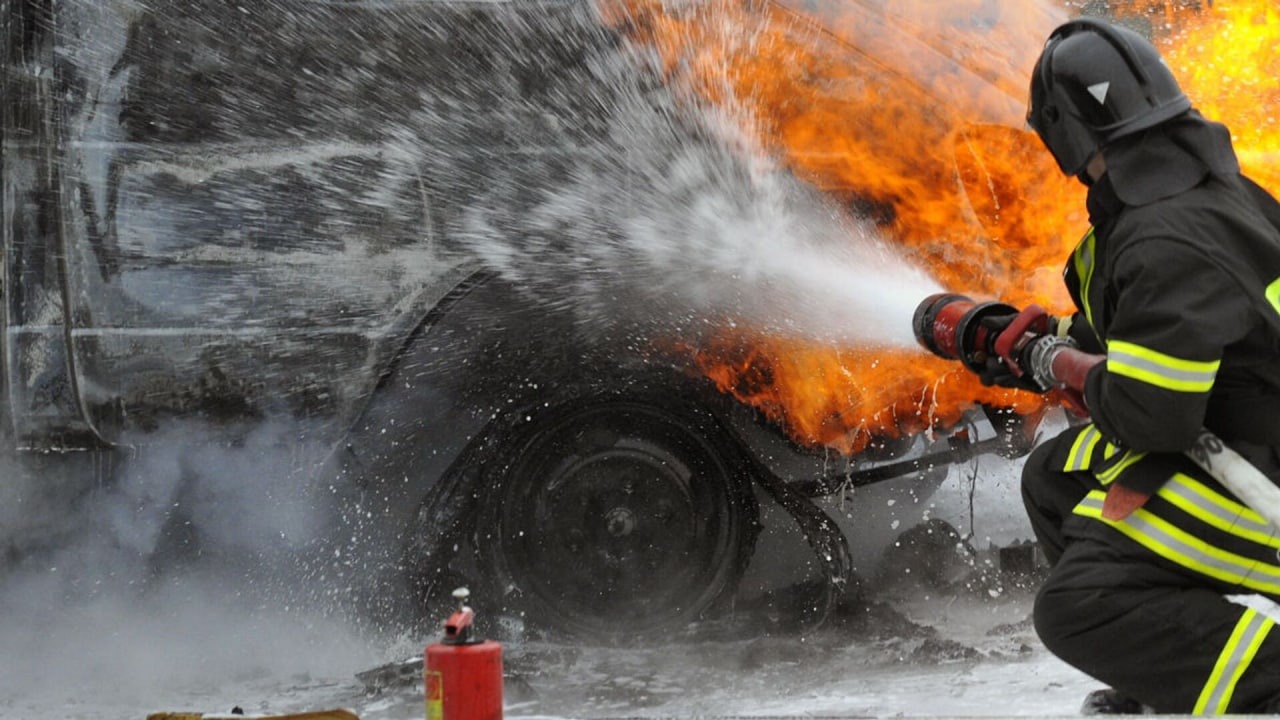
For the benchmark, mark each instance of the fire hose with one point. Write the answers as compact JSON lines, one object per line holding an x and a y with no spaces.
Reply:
{"x":951,"y":326}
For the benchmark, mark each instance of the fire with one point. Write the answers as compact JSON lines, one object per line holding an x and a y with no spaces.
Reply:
{"x":845,"y":399}
{"x":911,"y":114}
{"x":1225,"y":58}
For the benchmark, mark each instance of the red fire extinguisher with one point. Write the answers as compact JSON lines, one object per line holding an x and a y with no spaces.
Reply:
{"x":463,"y":674}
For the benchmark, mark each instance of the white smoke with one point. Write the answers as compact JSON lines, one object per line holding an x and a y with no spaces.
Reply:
{"x":188,"y":563}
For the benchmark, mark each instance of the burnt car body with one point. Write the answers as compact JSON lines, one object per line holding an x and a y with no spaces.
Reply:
{"x":239,"y":212}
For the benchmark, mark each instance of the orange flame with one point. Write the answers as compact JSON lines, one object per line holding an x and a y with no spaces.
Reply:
{"x":1226,"y":61}
{"x":911,"y":113}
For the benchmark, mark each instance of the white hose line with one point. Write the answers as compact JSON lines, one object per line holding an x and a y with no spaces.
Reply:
{"x":1238,"y":475}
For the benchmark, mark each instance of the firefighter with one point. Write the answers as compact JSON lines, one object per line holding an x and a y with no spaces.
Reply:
{"x":1156,"y":569}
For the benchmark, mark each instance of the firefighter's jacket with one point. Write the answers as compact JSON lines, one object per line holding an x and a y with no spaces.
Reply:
{"x":1178,"y":282}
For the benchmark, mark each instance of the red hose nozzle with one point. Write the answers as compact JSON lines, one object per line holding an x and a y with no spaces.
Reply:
{"x":950,"y":326}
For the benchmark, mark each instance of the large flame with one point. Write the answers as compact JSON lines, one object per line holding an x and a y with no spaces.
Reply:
{"x":911,"y":113}
{"x":1226,"y":59}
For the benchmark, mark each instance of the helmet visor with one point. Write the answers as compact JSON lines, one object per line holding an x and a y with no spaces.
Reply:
{"x":1051,"y":114}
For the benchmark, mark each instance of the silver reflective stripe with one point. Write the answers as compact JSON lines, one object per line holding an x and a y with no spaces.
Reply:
{"x":1181,"y":547}
{"x":1156,"y":368}
{"x":1237,"y":654}
{"x":1199,"y":501}
{"x":1082,"y":449}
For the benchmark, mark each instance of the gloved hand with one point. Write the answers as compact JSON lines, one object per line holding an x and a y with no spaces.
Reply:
{"x":998,"y":373}
{"x":1014,"y":335}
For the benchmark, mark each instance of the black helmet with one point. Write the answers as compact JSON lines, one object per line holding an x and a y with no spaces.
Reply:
{"x":1094,"y":83}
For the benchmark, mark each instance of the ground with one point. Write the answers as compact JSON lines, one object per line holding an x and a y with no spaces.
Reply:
{"x":936,"y":656}
{"x":958,"y":642}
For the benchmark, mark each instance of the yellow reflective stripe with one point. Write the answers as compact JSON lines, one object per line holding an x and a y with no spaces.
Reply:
{"x":1156,"y":368}
{"x":1082,"y":449}
{"x":1273,"y":294}
{"x":1080,"y":457}
{"x":1083,"y":257}
{"x":1236,"y":656}
{"x":1176,"y":545}
{"x":1106,"y":477}
{"x":1219,"y":511}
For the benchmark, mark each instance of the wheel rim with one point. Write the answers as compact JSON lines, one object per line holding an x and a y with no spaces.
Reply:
{"x":618,"y":518}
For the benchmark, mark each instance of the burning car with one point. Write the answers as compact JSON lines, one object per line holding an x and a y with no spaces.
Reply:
{"x":403,"y":228}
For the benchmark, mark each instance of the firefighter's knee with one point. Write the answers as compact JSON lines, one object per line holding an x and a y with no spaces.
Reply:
{"x":1037,"y":476}
{"x":1048,"y":496}
{"x":1047,"y":617}
{"x":1062,"y":616}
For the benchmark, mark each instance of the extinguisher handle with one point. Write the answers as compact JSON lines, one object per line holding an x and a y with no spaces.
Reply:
{"x":457,"y":629}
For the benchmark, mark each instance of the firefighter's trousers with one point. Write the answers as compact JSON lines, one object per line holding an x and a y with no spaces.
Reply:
{"x":1158,"y":633}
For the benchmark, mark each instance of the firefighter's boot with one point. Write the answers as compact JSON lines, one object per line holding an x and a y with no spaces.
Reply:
{"x":1110,"y":702}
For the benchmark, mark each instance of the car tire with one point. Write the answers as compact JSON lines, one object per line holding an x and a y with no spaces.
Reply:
{"x":612,"y":517}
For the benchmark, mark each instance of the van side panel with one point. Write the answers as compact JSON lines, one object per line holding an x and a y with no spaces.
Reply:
{"x":42,"y":407}
{"x":243,"y":240}
{"x":244,"y":210}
